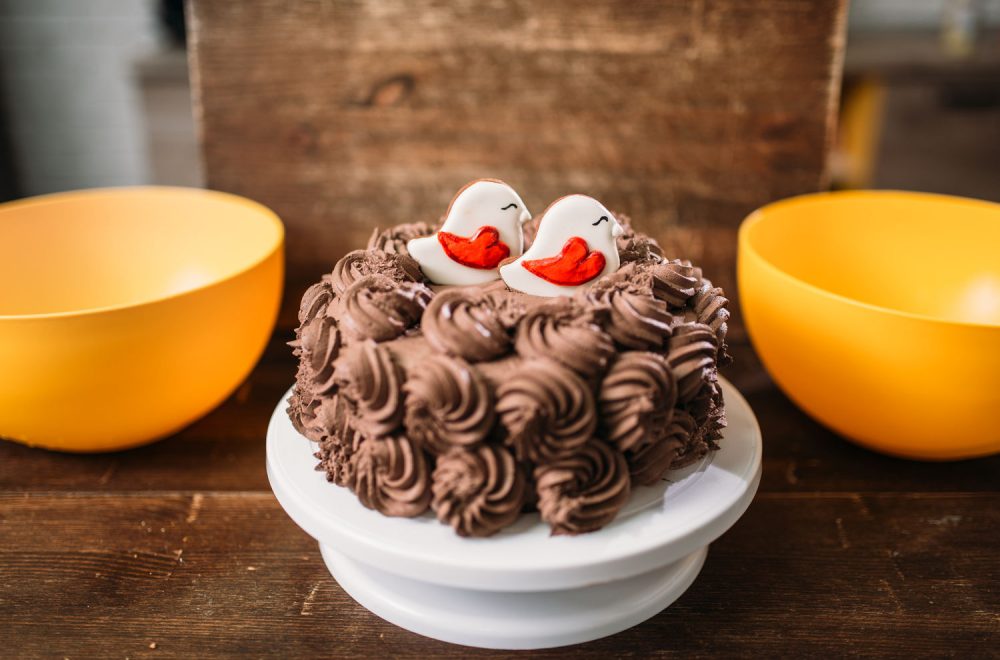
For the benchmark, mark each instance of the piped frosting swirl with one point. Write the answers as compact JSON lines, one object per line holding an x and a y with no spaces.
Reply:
{"x":465,"y":324}
{"x":693,"y":444}
{"x":547,"y":410}
{"x":394,"y":239}
{"x":637,"y":399}
{"x":710,"y":308}
{"x":391,"y":476}
{"x":360,"y":263}
{"x":448,"y":404}
{"x":380,"y":308}
{"x":582,"y":492}
{"x":648,"y":463}
{"x":371,"y":383}
{"x":478,"y":491}
{"x":691,"y":356}
{"x":318,"y":346}
{"x":565,"y":331}
{"x":339,"y":442}
{"x":636,"y":319}
{"x":673,"y":282}
{"x":316,"y":300}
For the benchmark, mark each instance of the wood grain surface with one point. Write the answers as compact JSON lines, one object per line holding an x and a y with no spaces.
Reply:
{"x":684,"y":114}
{"x":344,"y":115}
{"x":181,"y":545}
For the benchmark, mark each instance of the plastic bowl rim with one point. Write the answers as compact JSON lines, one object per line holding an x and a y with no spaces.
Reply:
{"x":757,"y":216}
{"x":266,"y":212}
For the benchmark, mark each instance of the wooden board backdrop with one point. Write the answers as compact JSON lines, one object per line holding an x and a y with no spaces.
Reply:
{"x":684,"y":114}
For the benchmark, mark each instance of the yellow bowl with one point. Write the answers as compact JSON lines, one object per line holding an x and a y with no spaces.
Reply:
{"x":126,"y":314}
{"x":878,"y":313}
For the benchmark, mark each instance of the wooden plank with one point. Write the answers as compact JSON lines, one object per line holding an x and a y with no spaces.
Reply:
{"x":685,"y":115}
{"x":219,"y":575}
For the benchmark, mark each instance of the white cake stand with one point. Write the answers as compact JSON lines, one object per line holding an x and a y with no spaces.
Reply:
{"x":522,"y":589}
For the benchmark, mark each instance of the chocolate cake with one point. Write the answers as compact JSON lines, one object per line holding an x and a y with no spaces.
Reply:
{"x":479,"y":403}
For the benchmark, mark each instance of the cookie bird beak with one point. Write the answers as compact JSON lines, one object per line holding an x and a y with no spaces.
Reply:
{"x":617,"y":231}
{"x":524,"y":217}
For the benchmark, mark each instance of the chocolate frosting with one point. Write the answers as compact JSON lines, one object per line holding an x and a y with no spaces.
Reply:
{"x":503,"y":400}
{"x":359,"y":263}
{"x":638,"y":249}
{"x":394,"y":239}
{"x":636,"y":319}
{"x":464,"y":322}
{"x":317,"y":347}
{"x":582,"y":492}
{"x":391,"y":476}
{"x":339,"y":441}
{"x":380,"y":308}
{"x":508,"y":306}
{"x":302,"y":409}
{"x":693,"y":445}
{"x":371,"y":383}
{"x":547,"y":410}
{"x":478,"y":491}
{"x":648,"y":463}
{"x":691,"y":356}
{"x":565,"y":331}
{"x":637,"y":399}
{"x":448,"y":404}
{"x":671,"y":281}
{"x":710,"y":308}
{"x":316,"y":300}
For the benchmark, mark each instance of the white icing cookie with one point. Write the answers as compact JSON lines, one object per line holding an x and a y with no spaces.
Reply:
{"x":481,"y":228}
{"x":575,"y":246}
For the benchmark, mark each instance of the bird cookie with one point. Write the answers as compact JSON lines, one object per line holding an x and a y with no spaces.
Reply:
{"x":575,"y":245}
{"x":481,"y":228}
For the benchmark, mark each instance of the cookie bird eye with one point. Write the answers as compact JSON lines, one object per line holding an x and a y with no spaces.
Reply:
{"x":511,"y":205}
{"x":603,"y":218}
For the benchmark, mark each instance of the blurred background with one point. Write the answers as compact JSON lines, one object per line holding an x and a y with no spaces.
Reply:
{"x":96,"y":93}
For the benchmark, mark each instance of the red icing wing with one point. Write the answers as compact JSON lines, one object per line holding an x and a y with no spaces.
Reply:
{"x":484,"y":250}
{"x":574,"y":265}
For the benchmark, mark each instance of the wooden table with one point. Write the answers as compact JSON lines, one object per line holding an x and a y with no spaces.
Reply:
{"x":180,"y":550}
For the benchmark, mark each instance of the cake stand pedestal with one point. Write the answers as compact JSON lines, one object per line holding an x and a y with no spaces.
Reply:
{"x":522,"y":589}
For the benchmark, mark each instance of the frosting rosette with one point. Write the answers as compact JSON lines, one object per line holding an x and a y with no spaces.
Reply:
{"x":691,"y":356}
{"x":391,"y":476}
{"x":448,"y":404}
{"x":338,"y":444}
{"x":673,"y":282}
{"x":377,"y":307}
{"x":582,"y":492}
{"x":636,"y":319}
{"x":648,"y":463}
{"x":478,"y":491}
{"x":302,"y":410}
{"x":371,"y":383}
{"x":565,"y":331}
{"x":316,"y":300}
{"x":394,"y":239}
{"x":465,"y":324}
{"x":359,"y":263}
{"x":637,"y":399}
{"x":547,"y":411}
{"x":710,"y":307}
{"x":693,"y":444}
{"x":639,"y":249}
{"x":317,"y":346}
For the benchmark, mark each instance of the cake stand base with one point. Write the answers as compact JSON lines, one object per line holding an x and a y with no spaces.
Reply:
{"x":511,"y":620}
{"x":523,"y":588}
